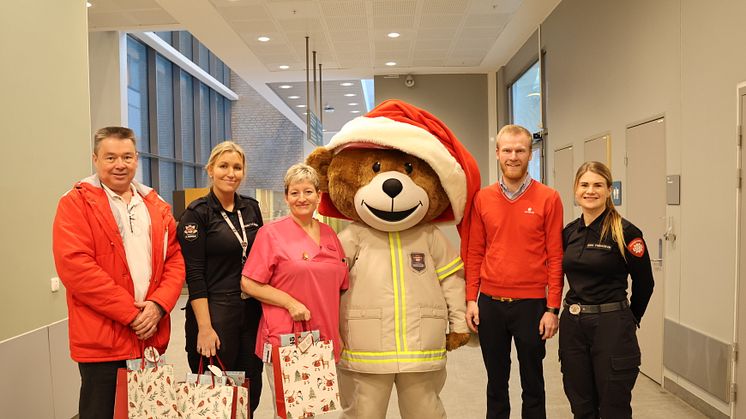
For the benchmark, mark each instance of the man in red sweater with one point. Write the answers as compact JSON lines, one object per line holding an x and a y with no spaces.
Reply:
{"x":514,"y":275}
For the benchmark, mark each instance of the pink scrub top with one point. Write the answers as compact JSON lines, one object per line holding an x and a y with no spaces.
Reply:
{"x":285,"y":257}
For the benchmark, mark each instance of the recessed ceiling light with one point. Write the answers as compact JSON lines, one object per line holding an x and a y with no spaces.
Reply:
{"x":350,"y":94}
{"x":353,"y":103}
{"x":284,"y":67}
{"x":285,"y":86}
{"x":346,"y":84}
{"x":88,"y":4}
{"x":263,"y":39}
{"x":394,"y":35}
{"x":533,"y":94}
{"x":391,"y":63}
{"x":354,"y":111}
{"x":300,"y":106}
{"x":305,"y":113}
{"x":293,"y":97}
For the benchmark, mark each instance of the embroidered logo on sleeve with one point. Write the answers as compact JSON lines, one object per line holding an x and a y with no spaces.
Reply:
{"x":636,"y":247}
{"x":417,"y":261}
{"x":191,"y":232}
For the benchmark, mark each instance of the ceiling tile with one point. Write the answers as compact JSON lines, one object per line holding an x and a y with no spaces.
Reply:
{"x":394,"y":7}
{"x":440,"y":21}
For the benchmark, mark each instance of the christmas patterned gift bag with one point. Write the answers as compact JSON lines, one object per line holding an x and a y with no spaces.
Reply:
{"x":214,"y":397}
{"x":147,"y":392}
{"x":305,"y":378}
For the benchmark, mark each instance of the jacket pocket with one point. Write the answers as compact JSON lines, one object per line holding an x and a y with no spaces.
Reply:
{"x":433,"y":324}
{"x":362,"y":329}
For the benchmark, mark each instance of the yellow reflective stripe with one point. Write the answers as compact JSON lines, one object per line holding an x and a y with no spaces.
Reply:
{"x":448,"y":267}
{"x":450,"y":272}
{"x":396,"y":291}
{"x":403,"y":294}
{"x":394,"y":357}
{"x":386,"y":353}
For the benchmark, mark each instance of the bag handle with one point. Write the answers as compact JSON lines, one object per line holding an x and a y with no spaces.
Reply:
{"x":201,"y":368}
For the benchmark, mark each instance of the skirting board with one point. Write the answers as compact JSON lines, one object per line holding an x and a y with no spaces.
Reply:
{"x":692,"y":400}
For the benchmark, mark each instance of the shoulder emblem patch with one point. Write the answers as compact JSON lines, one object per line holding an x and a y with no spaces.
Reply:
{"x":417,"y":261}
{"x":191,"y":232}
{"x":636,"y":247}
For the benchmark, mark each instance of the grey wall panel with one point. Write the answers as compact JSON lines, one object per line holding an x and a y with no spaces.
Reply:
{"x":65,"y":375}
{"x":698,"y":358}
{"x":26,"y":387}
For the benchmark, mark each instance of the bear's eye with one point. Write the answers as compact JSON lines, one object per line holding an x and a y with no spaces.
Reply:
{"x":408,"y":167}
{"x":377,"y":167}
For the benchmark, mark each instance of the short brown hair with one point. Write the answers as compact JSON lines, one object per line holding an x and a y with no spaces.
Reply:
{"x":118,"y":133}
{"x":514,"y":130}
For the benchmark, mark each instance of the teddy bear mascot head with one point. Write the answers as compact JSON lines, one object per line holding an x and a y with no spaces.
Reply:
{"x":396,"y":172}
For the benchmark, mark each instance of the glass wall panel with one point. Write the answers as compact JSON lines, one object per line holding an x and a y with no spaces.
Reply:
{"x":190,"y":180}
{"x":166,"y":36}
{"x":137,"y":92}
{"x":143,"y":171}
{"x":185,"y":44}
{"x":167,"y":175}
{"x":187,"y":116}
{"x":204,"y":121}
{"x":165,"y":104}
{"x":525,"y":99}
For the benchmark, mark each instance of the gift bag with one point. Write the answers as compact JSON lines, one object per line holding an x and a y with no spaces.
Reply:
{"x":211,"y":396}
{"x":147,"y":391}
{"x":305,"y":377}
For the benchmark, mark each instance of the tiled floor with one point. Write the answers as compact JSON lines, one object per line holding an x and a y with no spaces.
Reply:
{"x":464,"y":393}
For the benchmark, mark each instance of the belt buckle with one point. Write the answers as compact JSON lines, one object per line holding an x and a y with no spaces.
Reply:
{"x":574,"y":309}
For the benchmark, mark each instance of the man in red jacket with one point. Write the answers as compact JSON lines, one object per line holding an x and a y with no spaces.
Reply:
{"x":116,"y":251}
{"x":514,"y":275}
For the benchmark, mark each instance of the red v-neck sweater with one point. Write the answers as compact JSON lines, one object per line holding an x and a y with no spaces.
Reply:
{"x":515,"y":247}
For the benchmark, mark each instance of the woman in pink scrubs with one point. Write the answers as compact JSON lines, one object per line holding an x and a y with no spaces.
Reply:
{"x":295,"y":268}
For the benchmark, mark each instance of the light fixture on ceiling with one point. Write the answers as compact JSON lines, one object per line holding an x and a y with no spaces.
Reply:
{"x":300,"y":106}
{"x":350,"y":94}
{"x":353,"y":103}
{"x":284,"y":67}
{"x":391,"y":63}
{"x":88,"y":4}
{"x":354,"y":111}
{"x":393,"y":34}
{"x":346,"y":84}
{"x":285,"y":86}
{"x":328,"y":108}
{"x":294,"y":97}
{"x":263,"y":39}
{"x":533,"y":94}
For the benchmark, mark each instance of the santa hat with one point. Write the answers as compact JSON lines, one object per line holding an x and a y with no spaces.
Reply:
{"x":399,"y":125}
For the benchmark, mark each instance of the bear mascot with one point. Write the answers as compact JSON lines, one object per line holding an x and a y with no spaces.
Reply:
{"x":396,"y":172}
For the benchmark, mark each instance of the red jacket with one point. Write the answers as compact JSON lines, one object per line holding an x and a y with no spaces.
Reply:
{"x":91,"y":262}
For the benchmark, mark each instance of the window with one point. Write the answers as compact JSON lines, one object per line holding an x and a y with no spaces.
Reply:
{"x":525,"y":110}
{"x":176,"y":118}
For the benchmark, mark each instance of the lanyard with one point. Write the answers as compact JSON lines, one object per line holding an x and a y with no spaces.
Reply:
{"x":244,"y":242}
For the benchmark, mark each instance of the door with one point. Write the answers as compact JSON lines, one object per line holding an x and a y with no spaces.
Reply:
{"x":598,"y":149}
{"x":740,"y":373}
{"x":564,"y":177}
{"x":646,"y":208}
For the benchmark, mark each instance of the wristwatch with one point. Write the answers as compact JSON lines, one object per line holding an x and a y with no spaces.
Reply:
{"x":552,"y":310}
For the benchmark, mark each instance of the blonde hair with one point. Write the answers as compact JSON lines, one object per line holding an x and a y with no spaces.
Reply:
{"x":512,"y":129}
{"x":613,"y":221}
{"x":222,"y":148}
{"x":300,"y":172}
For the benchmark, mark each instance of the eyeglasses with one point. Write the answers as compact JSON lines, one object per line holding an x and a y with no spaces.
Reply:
{"x":126,"y":159}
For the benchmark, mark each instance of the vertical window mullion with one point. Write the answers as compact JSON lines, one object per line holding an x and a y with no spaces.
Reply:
{"x":153,"y":118}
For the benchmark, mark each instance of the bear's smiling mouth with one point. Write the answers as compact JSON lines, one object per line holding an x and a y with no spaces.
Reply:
{"x":392,"y":216}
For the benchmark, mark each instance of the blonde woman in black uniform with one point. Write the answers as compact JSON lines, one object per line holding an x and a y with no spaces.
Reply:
{"x":216,"y":233}
{"x":598,"y":347}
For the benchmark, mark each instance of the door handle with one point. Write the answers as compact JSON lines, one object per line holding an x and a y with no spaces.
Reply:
{"x":660,"y":253}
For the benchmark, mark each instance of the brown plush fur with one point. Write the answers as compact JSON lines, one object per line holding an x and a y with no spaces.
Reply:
{"x":342,"y":174}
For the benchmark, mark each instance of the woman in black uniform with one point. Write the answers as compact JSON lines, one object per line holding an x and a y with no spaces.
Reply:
{"x":216,"y":233}
{"x":598,"y":347}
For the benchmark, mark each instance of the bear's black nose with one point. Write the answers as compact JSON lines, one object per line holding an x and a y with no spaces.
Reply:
{"x":392,"y":187}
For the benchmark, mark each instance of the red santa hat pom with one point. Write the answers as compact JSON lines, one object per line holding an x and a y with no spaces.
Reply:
{"x":399,"y":125}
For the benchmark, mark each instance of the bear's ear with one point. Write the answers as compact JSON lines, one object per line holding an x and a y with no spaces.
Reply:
{"x":320,"y":159}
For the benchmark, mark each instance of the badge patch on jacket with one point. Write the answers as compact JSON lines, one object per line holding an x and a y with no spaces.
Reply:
{"x":417,"y":261}
{"x":636,"y":247}
{"x":191,"y":232}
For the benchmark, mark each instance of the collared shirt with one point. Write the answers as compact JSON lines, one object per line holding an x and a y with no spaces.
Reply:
{"x":133,"y":221}
{"x":521,"y":189}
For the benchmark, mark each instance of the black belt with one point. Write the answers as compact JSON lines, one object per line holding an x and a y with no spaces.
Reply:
{"x":576,"y":309}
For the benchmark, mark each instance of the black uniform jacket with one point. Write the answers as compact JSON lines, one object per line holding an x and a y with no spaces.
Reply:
{"x":212,"y":252}
{"x":597,"y":272}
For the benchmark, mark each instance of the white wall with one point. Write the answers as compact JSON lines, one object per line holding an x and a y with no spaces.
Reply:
{"x":108,"y":79}
{"x":44,"y":114}
{"x":610,"y":64}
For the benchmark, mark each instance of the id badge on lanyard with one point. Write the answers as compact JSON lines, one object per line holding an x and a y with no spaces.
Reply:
{"x":241,"y":238}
